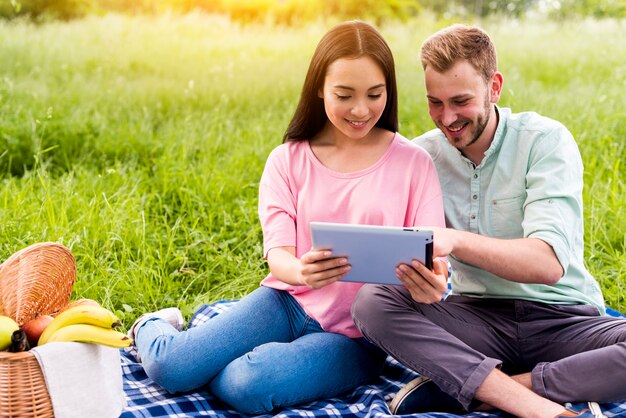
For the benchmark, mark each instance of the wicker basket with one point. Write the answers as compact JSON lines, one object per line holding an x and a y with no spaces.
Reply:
{"x":36,"y":280}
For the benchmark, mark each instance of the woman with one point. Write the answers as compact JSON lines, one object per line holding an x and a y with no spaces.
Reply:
{"x":292,"y":340}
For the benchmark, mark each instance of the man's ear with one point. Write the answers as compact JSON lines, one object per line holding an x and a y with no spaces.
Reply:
{"x":496,"y":87}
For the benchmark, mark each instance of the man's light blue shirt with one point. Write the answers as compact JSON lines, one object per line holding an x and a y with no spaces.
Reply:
{"x":529,"y":184}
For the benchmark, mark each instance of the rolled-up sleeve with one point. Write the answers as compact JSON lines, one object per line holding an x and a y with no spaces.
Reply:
{"x":553,"y":206}
{"x":277,"y":204}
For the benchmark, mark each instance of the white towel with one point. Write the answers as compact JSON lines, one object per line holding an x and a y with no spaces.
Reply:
{"x":84,"y":380}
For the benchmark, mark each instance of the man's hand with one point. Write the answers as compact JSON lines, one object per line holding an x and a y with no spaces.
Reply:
{"x":424,"y":285}
{"x":443,"y":239}
{"x":318,"y":268}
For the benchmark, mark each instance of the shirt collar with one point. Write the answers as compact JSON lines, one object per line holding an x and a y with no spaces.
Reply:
{"x":498,"y":135}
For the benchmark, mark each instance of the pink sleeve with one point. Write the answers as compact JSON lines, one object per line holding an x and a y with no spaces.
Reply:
{"x":430,"y":206}
{"x":426,"y":199}
{"x":277,"y":204}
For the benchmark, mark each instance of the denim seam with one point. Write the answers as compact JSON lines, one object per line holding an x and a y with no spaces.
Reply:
{"x":305,"y":326}
{"x":287,"y":308}
{"x":153,"y":319}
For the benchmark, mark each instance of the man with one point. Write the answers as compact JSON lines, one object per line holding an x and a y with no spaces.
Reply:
{"x":523,"y":327}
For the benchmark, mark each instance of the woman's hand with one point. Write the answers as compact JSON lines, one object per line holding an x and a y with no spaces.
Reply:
{"x":318,"y":268}
{"x":315,"y":269}
{"x":425,"y":286}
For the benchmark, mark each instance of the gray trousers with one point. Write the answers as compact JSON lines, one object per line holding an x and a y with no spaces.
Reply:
{"x":574,"y":354}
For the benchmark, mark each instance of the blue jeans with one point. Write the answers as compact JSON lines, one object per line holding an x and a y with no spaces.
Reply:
{"x":263,"y":353}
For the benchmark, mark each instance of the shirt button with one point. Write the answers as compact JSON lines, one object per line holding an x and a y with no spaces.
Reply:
{"x":473,"y":216}
{"x":475,"y":175}
{"x":475,"y":197}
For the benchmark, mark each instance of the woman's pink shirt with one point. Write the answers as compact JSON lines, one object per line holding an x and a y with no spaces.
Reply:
{"x":400,"y":189}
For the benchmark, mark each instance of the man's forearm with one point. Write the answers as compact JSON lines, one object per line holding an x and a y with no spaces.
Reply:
{"x":523,"y":260}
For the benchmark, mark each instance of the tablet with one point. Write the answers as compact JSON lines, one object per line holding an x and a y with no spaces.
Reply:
{"x":374,"y":252}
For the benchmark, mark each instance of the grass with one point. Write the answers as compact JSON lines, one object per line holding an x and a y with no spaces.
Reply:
{"x":139,"y":142}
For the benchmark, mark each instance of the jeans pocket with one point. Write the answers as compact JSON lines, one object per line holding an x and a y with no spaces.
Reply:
{"x":578,"y":310}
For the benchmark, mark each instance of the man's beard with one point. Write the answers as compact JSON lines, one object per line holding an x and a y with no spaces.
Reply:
{"x":480,"y":124}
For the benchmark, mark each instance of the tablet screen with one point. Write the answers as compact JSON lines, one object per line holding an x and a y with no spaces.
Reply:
{"x":373,"y":251}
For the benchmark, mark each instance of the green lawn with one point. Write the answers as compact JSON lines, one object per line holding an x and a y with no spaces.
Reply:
{"x":139,"y":142}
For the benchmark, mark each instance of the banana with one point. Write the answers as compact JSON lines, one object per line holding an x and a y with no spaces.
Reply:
{"x":7,"y":327}
{"x":82,"y":314}
{"x":80,"y":302}
{"x":93,"y":334}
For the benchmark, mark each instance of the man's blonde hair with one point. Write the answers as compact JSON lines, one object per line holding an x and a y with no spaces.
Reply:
{"x":460,"y":42}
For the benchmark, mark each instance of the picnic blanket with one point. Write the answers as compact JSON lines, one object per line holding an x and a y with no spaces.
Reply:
{"x":146,"y":399}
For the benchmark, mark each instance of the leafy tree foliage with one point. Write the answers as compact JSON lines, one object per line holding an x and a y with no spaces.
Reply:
{"x":46,"y":9}
{"x":292,"y":12}
{"x":593,"y":8}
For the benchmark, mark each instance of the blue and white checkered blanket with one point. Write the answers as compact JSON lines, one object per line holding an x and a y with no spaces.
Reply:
{"x":146,"y":399}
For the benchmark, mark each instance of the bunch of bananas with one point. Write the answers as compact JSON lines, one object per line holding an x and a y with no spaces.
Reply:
{"x":87,"y":323}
